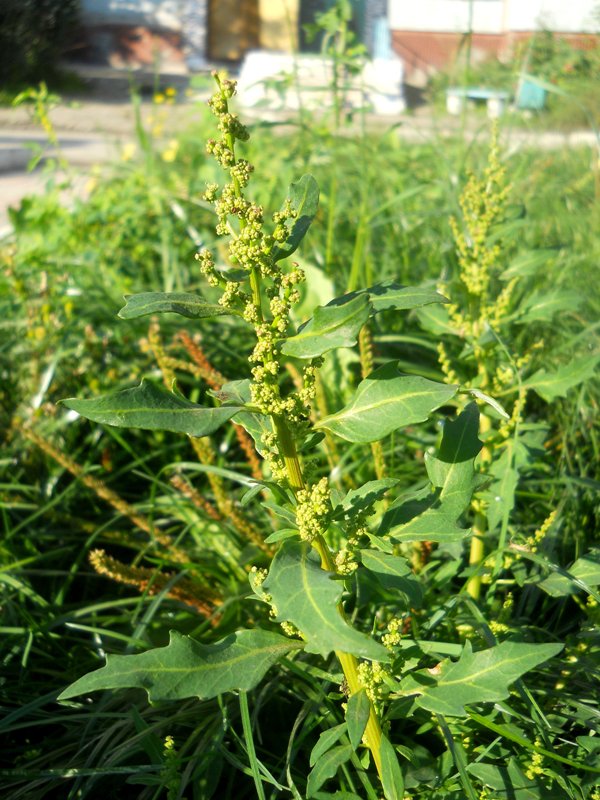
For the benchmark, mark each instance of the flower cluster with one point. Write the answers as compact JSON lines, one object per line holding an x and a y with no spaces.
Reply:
{"x":533,"y":542}
{"x":372,"y":675}
{"x":356,"y":529}
{"x":482,"y":204}
{"x":394,"y":633}
{"x":312,"y":511}
{"x":255,"y":250}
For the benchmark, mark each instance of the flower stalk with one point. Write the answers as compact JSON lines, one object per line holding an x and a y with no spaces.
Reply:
{"x":254,"y":250}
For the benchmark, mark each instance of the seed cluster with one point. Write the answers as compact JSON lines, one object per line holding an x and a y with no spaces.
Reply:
{"x":372,"y":675}
{"x":312,"y":510}
{"x":252,"y":251}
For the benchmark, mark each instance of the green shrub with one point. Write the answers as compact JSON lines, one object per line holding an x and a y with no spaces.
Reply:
{"x":34,"y":34}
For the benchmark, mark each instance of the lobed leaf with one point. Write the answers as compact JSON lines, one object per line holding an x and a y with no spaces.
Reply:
{"x":436,"y":320}
{"x":305,"y":594}
{"x":188,"y":305}
{"x":527,"y":263}
{"x":385,"y":563}
{"x":304,"y":197}
{"x":482,"y":677}
{"x":384,"y":402}
{"x":152,"y":408}
{"x":509,"y":780}
{"x":186,"y":668}
{"x":550,"y":385}
{"x":330,"y":327}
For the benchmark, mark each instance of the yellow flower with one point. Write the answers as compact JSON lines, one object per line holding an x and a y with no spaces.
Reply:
{"x":128,"y":151}
{"x":159,"y":98}
{"x":170,"y":154}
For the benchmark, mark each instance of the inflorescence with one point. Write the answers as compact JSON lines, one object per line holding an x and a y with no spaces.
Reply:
{"x":252,"y":251}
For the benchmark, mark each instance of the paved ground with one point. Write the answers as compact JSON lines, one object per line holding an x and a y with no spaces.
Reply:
{"x":93,"y":131}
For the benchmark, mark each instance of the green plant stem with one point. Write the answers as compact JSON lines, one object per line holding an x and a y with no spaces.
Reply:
{"x":477,"y":553}
{"x":349,"y":663}
{"x":329,"y":243}
{"x":287,"y":450}
{"x":365,"y":347}
{"x":255,"y":287}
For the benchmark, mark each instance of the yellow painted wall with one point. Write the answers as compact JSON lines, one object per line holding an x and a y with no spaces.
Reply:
{"x":279,"y":24}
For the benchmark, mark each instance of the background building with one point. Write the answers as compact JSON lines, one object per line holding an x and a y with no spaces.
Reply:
{"x":428,"y":34}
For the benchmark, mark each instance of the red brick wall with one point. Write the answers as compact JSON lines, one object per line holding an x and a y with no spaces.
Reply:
{"x":424,"y":51}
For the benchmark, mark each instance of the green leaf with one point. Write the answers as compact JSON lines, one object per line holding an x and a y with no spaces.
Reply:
{"x":452,"y":474}
{"x":385,"y":564}
{"x":550,"y":385}
{"x":436,"y":320}
{"x":358,"y":711}
{"x":391,"y":774}
{"x":281,"y":535}
{"x":306,"y":595}
{"x":152,"y":408}
{"x":511,"y":781}
{"x":527,"y":263}
{"x":304,"y":196}
{"x":257,"y":425}
{"x":188,"y":305}
{"x":326,"y":741}
{"x":482,"y":677}
{"x":542,"y":306}
{"x":384,"y":402}
{"x":498,"y":408}
{"x":363,"y":497}
{"x":586,"y":569}
{"x":186,"y":668}
{"x":326,"y":767}
{"x":391,"y":295}
{"x":500,"y":495}
{"x":330,"y":327}
{"x":394,"y":574}
{"x":433,"y":525}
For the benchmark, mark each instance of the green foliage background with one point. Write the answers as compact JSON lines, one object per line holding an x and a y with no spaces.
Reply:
{"x":384,"y":215}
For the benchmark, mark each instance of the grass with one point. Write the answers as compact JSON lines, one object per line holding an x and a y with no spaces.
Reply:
{"x":384,"y":214}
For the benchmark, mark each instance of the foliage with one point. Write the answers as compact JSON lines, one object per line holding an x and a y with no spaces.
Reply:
{"x":34,"y":35}
{"x":570,"y":74}
{"x":179,"y":523}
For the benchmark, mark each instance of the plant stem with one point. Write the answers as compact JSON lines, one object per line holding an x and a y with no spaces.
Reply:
{"x":349,"y":663}
{"x":477,"y":553}
{"x":287,"y":450}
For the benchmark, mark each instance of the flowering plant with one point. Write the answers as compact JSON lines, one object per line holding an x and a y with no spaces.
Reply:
{"x":333,"y":555}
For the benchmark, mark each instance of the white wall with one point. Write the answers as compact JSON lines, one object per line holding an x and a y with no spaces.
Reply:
{"x":568,"y":16}
{"x":164,"y":14}
{"x":493,"y":16}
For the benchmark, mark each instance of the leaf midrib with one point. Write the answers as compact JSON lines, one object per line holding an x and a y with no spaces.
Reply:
{"x":357,"y":409}
{"x":308,"y":331}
